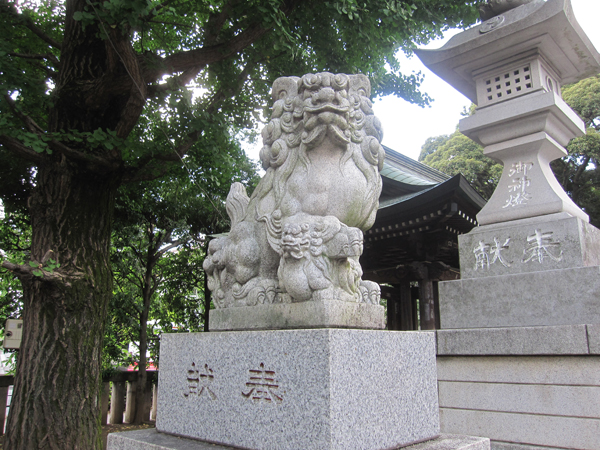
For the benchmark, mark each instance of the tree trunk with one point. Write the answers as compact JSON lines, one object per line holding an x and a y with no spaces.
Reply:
{"x":56,"y":398}
{"x":154,"y":243}
{"x":140,"y":394}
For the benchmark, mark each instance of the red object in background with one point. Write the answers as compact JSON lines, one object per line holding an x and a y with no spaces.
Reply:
{"x":133,"y":367}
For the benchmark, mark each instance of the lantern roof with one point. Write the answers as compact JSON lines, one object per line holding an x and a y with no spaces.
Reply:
{"x":546,"y":28}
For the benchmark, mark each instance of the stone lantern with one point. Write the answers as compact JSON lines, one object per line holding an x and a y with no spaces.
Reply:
{"x":527,"y":304}
{"x":533,"y":246}
{"x":513,"y":66}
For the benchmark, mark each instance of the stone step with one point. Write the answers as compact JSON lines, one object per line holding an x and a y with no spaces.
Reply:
{"x":150,"y":439}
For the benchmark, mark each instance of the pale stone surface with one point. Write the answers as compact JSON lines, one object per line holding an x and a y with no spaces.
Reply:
{"x":531,"y":429}
{"x":551,"y":340}
{"x":527,"y":187}
{"x":511,"y":446}
{"x":548,"y":26}
{"x":558,"y":370}
{"x":150,"y":439}
{"x":299,"y":237}
{"x":573,"y":401}
{"x":494,"y":8}
{"x":594,"y":338}
{"x":453,"y":442}
{"x":514,"y":248}
{"x":552,"y":297}
{"x":545,"y":401}
{"x":515,"y":64}
{"x":531,"y":272}
{"x":540,"y":112}
{"x":292,"y":389}
{"x":321,"y":314}
{"x":525,"y":134}
{"x":530,"y":266}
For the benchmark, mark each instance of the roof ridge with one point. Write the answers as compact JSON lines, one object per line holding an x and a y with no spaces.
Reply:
{"x":406,"y":164}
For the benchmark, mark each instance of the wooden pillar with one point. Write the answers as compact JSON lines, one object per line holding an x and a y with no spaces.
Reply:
{"x":154,"y":401}
{"x":392,"y":314}
{"x":436,"y":299}
{"x":391,"y":296}
{"x":426,"y":304}
{"x":104,"y":403}
{"x":130,"y":403}
{"x":3,"y":401}
{"x":414,"y":300}
{"x":117,"y":402}
{"x":406,"y":307}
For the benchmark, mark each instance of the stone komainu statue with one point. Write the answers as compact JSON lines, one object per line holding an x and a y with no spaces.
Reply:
{"x":299,"y":237}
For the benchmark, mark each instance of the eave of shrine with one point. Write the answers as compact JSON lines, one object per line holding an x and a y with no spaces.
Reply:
{"x":418,"y":222}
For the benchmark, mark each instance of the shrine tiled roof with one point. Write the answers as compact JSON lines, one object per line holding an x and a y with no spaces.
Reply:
{"x":405,"y":170}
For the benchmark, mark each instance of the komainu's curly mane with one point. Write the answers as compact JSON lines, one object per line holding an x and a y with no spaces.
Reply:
{"x":299,"y":237}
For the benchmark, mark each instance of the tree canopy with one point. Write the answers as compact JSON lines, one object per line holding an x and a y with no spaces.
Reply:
{"x":579,"y":172}
{"x":456,"y":154}
{"x":98,"y":94}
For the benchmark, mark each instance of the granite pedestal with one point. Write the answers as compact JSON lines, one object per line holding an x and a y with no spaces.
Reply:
{"x":154,"y":440}
{"x":531,"y":272}
{"x":300,"y":389}
{"x":517,"y":350}
{"x":525,"y":388}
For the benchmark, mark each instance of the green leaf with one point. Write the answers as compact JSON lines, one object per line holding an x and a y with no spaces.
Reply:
{"x":37,"y":273}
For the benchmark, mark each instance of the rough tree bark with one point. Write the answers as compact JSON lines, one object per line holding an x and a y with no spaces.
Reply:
{"x":55,"y":404}
{"x":101,"y":84}
{"x":57,"y":383}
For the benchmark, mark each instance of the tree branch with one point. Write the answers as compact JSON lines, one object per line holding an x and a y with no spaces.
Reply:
{"x":176,"y":82}
{"x":145,"y":171}
{"x":213,"y":27}
{"x":21,"y":150}
{"x":201,"y":57}
{"x":94,"y":162}
{"x":26,"y":271}
{"x":48,"y":56}
{"x":29,"y":123}
{"x":163,"y":22}
{"x":175,"y":244}
{"x":216,"y":21}
{"x":581,"y":169}
{"x":28,"y":23}
{"x":16,"y":246}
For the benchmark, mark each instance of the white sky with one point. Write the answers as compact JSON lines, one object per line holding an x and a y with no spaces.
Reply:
{"x":407,"y":126}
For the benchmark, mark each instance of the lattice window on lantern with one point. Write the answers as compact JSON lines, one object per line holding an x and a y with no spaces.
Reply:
{"x":504,"y":85}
